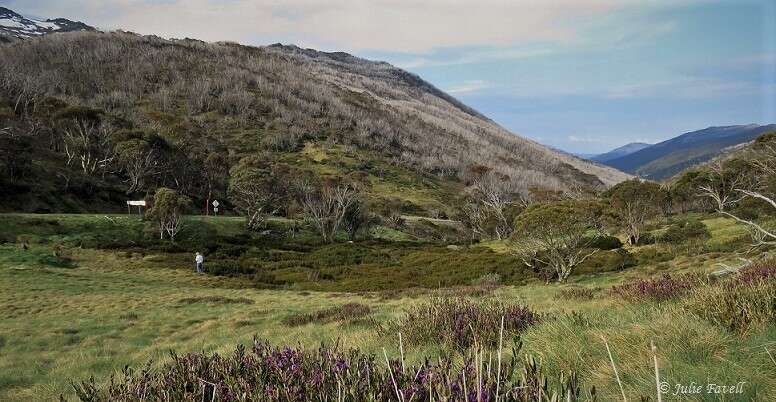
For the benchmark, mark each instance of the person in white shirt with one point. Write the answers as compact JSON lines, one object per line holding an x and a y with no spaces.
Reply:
{"x":200,"y":260}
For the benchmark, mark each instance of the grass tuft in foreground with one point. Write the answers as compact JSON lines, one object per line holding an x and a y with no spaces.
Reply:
{"x":346,"y":312}
{"x":267,"y":373}
{"x":461,"y":323}
{"x":660,"y":288}
{"x":741,"y":303}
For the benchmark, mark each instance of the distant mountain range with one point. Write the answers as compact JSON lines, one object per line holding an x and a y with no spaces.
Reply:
{"x":15,"y":25}
{"x":620,"y":152}
{"x":665,"y":159}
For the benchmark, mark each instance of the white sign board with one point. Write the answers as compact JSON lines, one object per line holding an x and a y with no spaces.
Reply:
{"x":215,"y":204}
{"x":136,"y":203}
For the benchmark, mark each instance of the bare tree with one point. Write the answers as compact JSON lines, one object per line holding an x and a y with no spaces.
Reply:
{"x":722,"y":185}
{"x":325,"y":204}
{"x":474,"y":217}
{"x":731,"y":183}
{"x":86,"y":138}
{"x":492,"y":196}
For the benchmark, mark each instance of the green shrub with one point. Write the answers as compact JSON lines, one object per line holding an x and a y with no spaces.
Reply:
{"x":56,"y":261}
{"x":646,"y":239}
{"x":226,"y":250}
{"x":264,"y":279}
{"x":228,"y":268}
{"x":653,"y":255}
{"x":607,"y":261}
{"x":605,"y":242}
{"x":680,"y":232}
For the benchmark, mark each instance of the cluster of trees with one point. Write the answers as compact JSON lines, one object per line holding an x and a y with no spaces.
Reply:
{"x":96,"y":150}
{"x":553,"y":237}
{"x":556,"y":234}
{"x":260,"y":188}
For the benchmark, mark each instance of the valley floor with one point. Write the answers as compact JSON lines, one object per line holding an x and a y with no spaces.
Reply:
{"x":117,"y":308}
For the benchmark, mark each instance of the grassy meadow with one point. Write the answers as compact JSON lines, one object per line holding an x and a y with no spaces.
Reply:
{"x":85,"y":295}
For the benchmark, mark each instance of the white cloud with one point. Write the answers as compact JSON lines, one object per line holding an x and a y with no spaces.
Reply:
{"x":475,"y":56}
{"x":469,"y":87}
{"x":587,"y":140}
{"x":683,"y":88}
{"x":351,"y":25}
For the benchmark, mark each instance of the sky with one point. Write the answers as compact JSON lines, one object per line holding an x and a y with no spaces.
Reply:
{"x":584,"y":76}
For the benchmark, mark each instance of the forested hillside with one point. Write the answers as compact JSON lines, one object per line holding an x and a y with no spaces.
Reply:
{"x":89,"y":119}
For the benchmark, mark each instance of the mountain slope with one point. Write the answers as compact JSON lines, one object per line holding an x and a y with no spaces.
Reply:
{"x":626,"y":149}
{"x":15,"y":25}
{"x":669,"y":157}
{"x":283,"y":101}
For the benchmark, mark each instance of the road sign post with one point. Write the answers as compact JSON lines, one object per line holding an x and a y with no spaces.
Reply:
{"x":215,"y":207}
{"x":139,"y":204}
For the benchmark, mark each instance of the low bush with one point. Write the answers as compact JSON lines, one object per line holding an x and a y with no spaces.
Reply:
{"x":607,"y":261}
{"x":346,"y":312}
{"x":228,"y":268}
{"x":658,"y":289}
{"x":461,"y":323}
{"x":264,"y":279}
{"x":40,"y":257}
{"x":605,"y":242}
{"x":683,"y":231}
{"x":266,"y":373}
{"x":228,"y":251}
{"x":56,"y":261}
{"x":653,"y":255}
{"x":646,"y":239}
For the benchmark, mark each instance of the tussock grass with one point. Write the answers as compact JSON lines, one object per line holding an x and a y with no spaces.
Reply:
{"x":217,"y":299}
{"x":576,"y":293}
{"x":742,"y":303}
{"x":346,"y":312}
{"x":461,"y":323}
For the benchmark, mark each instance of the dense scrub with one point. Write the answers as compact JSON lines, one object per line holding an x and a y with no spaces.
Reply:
{"x":118,"y":112}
